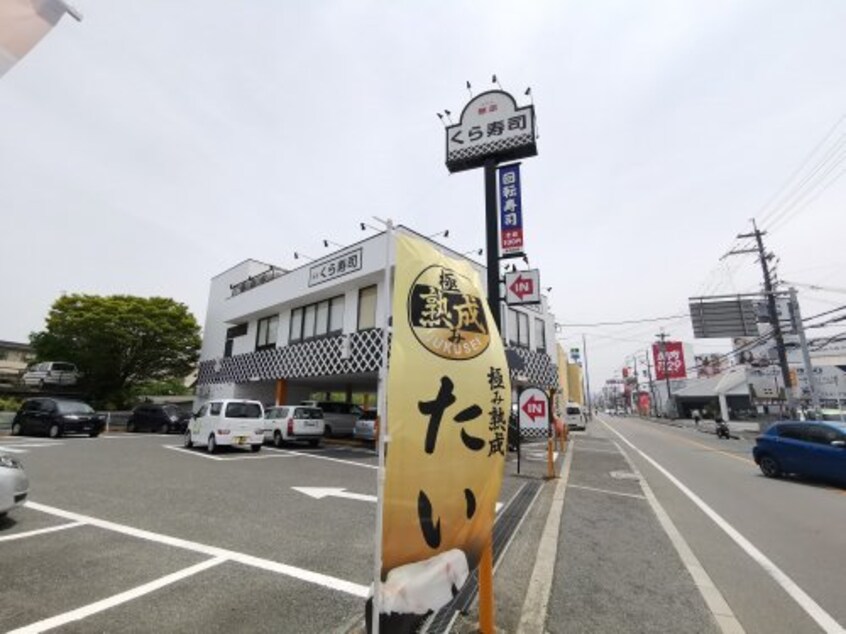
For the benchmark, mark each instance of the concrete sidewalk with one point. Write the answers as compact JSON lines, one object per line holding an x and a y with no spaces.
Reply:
{"x":614,"y":567}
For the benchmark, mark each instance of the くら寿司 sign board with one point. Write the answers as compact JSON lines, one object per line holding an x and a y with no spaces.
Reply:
{"x":491,"y":127}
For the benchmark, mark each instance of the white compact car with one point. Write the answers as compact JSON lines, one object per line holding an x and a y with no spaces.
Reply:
{"x":286,"y":423}
{"x":228,"y":422}
{"x":14,"y":485}
{"x":51,"y":373}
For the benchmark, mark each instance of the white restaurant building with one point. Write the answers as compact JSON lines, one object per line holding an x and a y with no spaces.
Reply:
{"x":281,"y":336}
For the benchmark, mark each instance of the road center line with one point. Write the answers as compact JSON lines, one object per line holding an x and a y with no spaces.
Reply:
{"x":110,"y":602}
{"x":711,"y":449}
{"x":811,"y":607}
{"x":40,"y":531}
{"x":327,"y":581}
{"x":625,"y":495}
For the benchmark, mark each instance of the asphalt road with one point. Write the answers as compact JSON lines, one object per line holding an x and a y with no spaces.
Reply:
{"x":130,"y":532}
{"x":784,"y":569}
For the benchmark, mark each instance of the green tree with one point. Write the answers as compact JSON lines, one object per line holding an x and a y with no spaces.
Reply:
{"x":120,"y":341}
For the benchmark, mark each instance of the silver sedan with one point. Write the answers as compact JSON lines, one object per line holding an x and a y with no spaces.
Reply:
{"x":14,"y":485}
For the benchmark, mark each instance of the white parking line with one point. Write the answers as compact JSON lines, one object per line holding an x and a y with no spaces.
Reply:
{"x":192,"y":452}
{"x":317,"y":457}
{"x":203,"y":454}
{"x":23,"y":447}
{"x":40,"y":531}
{"x":333,"y":583}
{"x":811,"y":607}
{"x":110,"y":602}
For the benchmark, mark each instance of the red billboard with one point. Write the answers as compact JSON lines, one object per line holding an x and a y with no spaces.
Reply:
{"x":673,"y":365}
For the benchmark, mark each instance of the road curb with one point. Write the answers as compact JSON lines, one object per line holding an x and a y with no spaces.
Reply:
{"x":534,"y":612}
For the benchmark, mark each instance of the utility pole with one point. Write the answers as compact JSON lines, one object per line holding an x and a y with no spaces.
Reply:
{"x":652,"y":403}
{"x":796,"y":318}
{"x":587,"y":379}
{"x":663,"y":336}
{"x":764,"y":258}
{"x":636,"y":392}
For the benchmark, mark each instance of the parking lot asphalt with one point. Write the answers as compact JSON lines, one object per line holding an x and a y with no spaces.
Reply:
{"x":131,"y":532}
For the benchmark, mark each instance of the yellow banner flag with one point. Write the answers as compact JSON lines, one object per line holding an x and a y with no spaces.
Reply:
{"x":449,"y":398}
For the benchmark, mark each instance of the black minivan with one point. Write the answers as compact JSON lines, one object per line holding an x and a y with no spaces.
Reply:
{"x":55,"y":417}
{"x":158,"y":418}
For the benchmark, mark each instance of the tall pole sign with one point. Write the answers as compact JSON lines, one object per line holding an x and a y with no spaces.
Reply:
{"x":492,"y":130}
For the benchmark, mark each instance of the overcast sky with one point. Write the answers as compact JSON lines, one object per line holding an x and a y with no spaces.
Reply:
{"x":156,"y":143}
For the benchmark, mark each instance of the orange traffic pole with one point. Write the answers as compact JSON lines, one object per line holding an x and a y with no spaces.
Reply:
{"x":550,"y":467}
{"x":486,"y":594}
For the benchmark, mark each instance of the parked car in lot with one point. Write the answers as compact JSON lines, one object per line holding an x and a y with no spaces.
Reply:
{"x":286,"y":423}
{"x":367,"y":426}
{"x":56,"y":417}
{"x":14,"y":485}
{"x":812,"y":449}
{"x":158,"y":418}
{"x":228,"y":422}
{"x":51,"y":373}
{"x":339,"y":418}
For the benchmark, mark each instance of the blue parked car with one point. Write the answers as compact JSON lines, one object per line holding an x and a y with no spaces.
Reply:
{"x":813,"y":449}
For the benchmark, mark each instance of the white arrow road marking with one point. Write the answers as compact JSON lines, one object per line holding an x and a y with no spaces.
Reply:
{"x":318,"y":493}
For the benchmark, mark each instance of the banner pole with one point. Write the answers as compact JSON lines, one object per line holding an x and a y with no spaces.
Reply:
{"x":486,"y":591}
{"x":382,"y":437}
{"x":486,"y":605}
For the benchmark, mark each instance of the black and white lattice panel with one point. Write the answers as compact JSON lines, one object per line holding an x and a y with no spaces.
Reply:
{"x":320,"y":357}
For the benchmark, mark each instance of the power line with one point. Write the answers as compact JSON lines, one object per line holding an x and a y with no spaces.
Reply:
{"x":623,"y":323}
{"x":766,"y":217}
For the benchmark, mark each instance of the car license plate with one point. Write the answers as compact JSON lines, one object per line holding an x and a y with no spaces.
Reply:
{"x":240,"y":440}
{"x":310,"y":423}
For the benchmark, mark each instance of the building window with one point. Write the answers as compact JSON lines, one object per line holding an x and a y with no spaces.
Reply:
{"x":317,"y":320}
{"x":518,"y":325}
{"x":367,"y":308}
{"x":236,"y":331}
{"x":296,"y":333}
{"x":540,"y":335}
{"x":266,"y":332}
{"x":336,"y":314}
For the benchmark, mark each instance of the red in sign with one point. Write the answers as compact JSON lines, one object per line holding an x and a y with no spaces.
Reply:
{"x":522,"y":287}
{"x":535,"y":408}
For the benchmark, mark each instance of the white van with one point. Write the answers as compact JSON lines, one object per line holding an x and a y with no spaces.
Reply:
{"x":574,"y":416}
{"x":339,"y":418}
{"x":285,"y":423}
{"x":228,"y":422}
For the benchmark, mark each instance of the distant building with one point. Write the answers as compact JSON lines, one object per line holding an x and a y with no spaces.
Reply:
{"x":14,"y":359}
